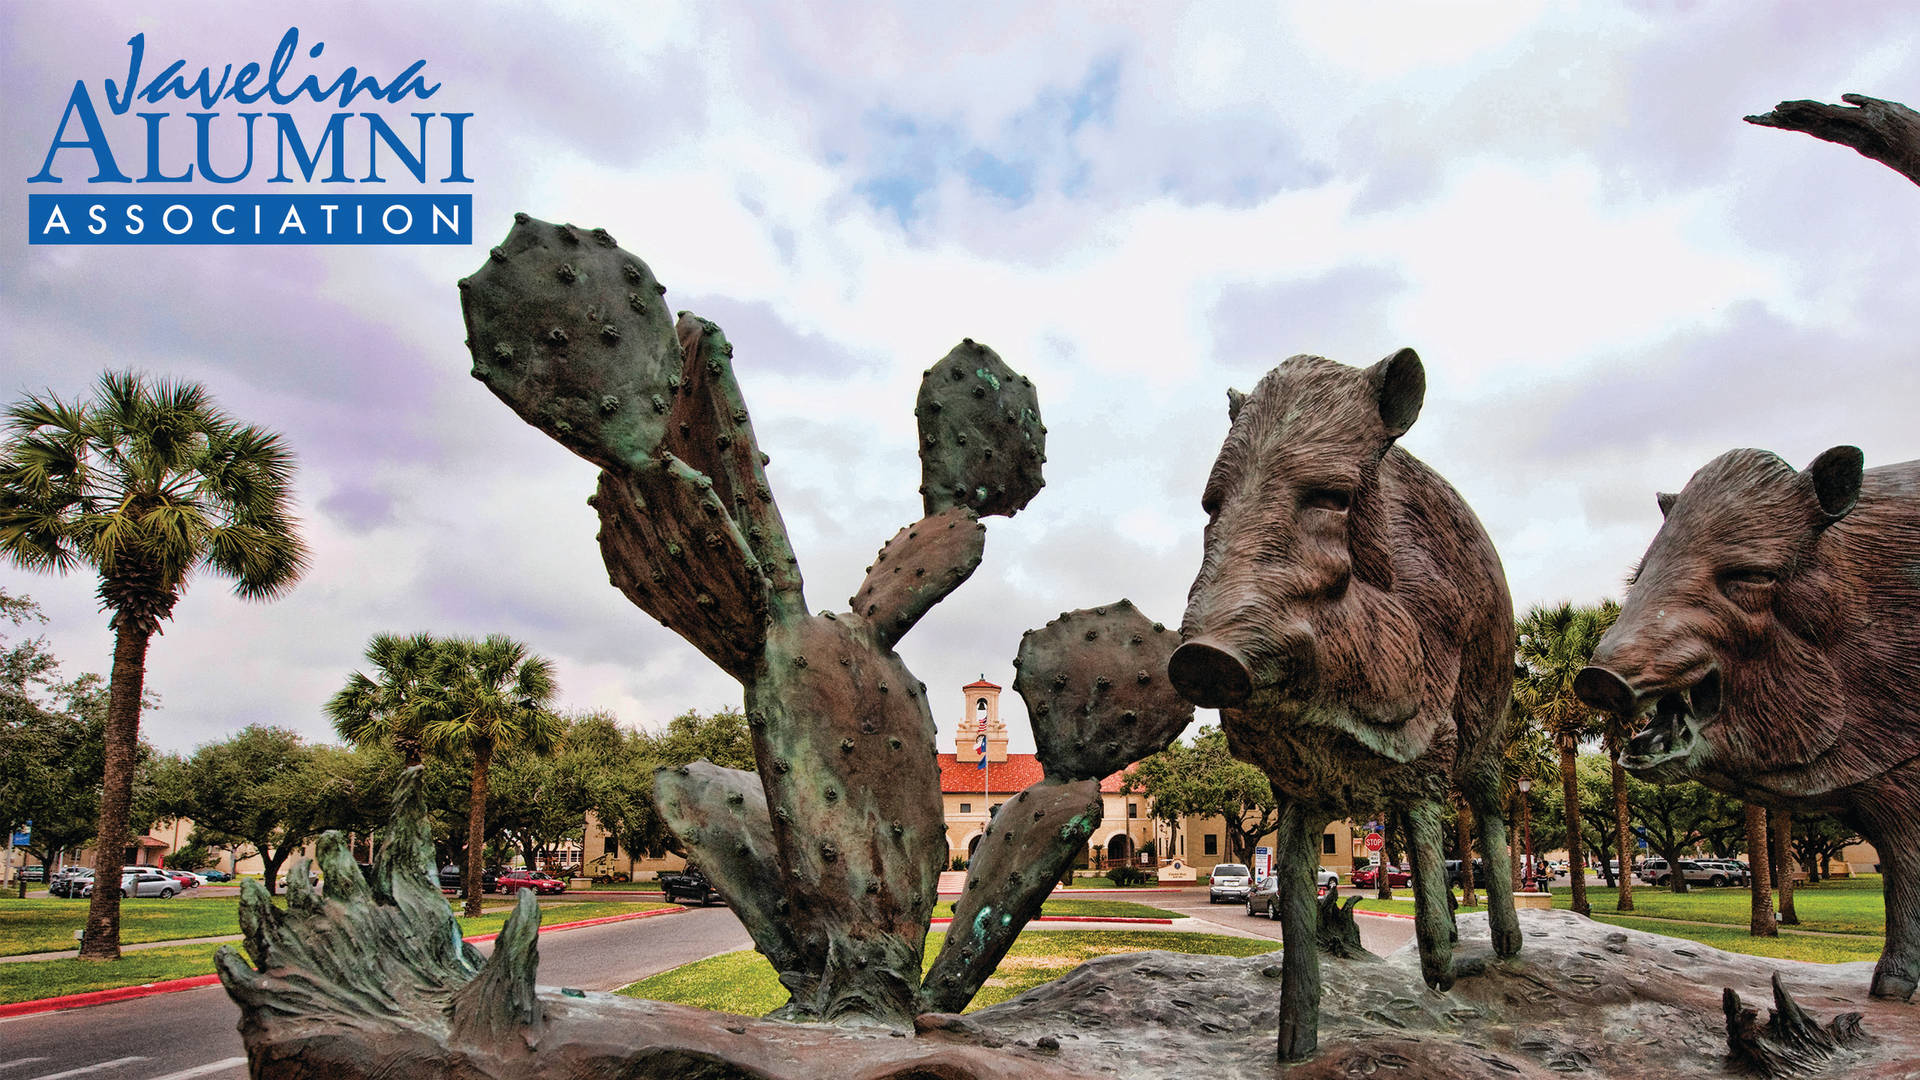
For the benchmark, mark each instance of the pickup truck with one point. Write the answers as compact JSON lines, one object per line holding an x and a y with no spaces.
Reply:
{"x":689,"y":886}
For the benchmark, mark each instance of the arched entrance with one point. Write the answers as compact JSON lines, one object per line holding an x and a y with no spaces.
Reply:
{"x":973,"y":845}
{"x":1120,"y":849}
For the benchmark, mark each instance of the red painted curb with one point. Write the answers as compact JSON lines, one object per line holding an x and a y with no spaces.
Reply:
{"x":601,"y":921}
{"x":1081,"y":918}
{"x":194,"y":982}
{"x":1383,"y":914}
{"x":106,"y":997}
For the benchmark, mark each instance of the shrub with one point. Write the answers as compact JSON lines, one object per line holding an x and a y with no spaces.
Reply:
{"x":1126,"y":875}
{"x":959,"y":863}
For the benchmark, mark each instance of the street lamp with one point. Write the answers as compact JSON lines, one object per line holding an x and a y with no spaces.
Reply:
{"x":1526,"y":830}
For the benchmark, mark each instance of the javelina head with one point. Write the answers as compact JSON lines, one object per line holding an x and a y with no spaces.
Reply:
{"x":1294,"y":520}
{"x":1721,"y":634}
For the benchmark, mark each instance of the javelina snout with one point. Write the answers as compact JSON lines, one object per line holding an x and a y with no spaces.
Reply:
{"x":1222,"y":670}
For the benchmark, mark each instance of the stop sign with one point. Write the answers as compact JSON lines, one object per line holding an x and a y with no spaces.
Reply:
{"x":1375,"y":841}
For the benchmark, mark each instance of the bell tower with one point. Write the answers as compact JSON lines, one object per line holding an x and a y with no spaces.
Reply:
{"x":982,"y":700}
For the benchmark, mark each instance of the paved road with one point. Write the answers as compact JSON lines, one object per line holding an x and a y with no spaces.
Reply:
{"x":192,"y":1035}
{"x":1379,"y":933}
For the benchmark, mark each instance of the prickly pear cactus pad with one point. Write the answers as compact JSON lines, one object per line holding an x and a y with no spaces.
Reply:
{"x":721,"y":816}
{"x":1034,"y":835}
{"x":574,"y":334}
{"x":981,"y":440}
{"x":922,"y":563}
{"x":1095,"y":683}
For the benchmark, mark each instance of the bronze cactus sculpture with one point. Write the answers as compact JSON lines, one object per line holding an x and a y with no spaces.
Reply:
{"x":1351,"y":622}
{"x":831,"y":854}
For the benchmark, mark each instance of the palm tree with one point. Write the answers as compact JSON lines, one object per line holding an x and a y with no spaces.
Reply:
{"x":485,"y":696}
{"x":1555,"y":643}
{"x":146,"y":483}
{"x":388,"y":709}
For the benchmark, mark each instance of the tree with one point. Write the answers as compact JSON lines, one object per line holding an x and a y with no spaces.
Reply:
{"x":146,"y":483}
{"x":266,"y":787}
{"x":484,"y":696}
{"x":1678,"y":816}
{"x":1555,"y":643}
{"x":1780,"y":861}
{"x":1203,"y":778}
{"x":615,"y":767}
{"x":386,"y":708}
{"x":1760,"y":923}
{"x":1818,"y":839}
{"x":1596,"y":818}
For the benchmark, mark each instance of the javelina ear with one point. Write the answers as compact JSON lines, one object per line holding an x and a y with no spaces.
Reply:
{"x":1235,"y":399}
{"x":1835,"y":476}
{"x":1666,"y":500}
{"x":1400,"y":385}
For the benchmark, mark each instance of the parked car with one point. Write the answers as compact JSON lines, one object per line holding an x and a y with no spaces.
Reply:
{"x":1264,"y":898}
{"x":141,"y":881}
{"x":1369,"y":876}
{"x":215,"y":875}
{"x":1453,"y":873}
{"x":1229,"y":881}
{"x":33,"y":873}
{"x":689,"y":885}
{"x":517,"y":880}
{"x":1656,"y":872}
{"x":68,"y":883}
{"x":1736,"y":871}
{"x":451,"y":874}
{"x":186,"y":878}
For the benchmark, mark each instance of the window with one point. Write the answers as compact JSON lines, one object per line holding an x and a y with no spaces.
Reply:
{"x":1326,"y":844}
{"x":1210,"y":843}
{"x":613,"y":846}
{"x":966,"y":808}
{"x":1133,"y":809}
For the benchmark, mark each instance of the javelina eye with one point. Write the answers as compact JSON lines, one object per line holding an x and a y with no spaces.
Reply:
{"x":1328,"y":499}
{"x":1752,"y":576}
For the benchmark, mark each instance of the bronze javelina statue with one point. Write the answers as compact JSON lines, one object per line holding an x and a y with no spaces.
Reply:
{"x":1774,"y":630}
{"x":1351,"y":622}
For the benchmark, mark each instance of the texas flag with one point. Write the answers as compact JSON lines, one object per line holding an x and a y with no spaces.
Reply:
{"x":980,"y":747}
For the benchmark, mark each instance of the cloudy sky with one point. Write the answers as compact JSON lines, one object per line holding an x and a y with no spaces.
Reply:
{"x":1610,"y":277}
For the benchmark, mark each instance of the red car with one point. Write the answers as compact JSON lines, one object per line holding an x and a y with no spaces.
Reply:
{"x":515,"y":880}
{"x":186,"y":880}
{"x":1366,"y":877}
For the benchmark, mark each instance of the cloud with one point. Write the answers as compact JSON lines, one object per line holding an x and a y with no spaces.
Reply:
{"x":1610,"y":277}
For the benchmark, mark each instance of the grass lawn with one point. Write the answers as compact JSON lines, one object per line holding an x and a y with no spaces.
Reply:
{"x":744,"y":983}
{"x":1820,"y":950}
{"x":29,"y":926}
{"x":1112,"y":909}
{"x":33,"y":979}
{"x":28,"y":980}
{"x":1847,"y":906}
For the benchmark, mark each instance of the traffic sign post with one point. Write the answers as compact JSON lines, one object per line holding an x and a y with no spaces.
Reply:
{"x":1375,"y":842}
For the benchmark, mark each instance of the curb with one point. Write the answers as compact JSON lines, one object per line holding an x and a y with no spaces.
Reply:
{"x":105,"y":997}
{"x":1078,"y":918}
{"x":195,"y":982}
